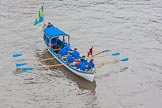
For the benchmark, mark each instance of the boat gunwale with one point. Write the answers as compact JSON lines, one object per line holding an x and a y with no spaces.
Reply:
{"x":65,"y":63}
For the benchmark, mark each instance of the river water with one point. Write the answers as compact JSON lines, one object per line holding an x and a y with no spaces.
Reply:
{"x":133,"y":27}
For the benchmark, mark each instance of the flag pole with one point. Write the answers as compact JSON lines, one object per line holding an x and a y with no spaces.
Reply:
{"x":44,"y":24}
{"x":92,"y":53}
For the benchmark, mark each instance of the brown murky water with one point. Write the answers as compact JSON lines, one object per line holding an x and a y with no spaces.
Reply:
{"x":133,"y":27}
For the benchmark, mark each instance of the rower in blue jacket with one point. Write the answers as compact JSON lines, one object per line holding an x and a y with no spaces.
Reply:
{"x":54,"y":41}
{"x":67,"y":47}
{"x":76,"y":54}
{"x":62,"y":52}
{"x":81,"y":65}
{"x":90,"y":64}
{"x":49,"y":25}
{"x":84,"y":60}
{"x":70,"y":59}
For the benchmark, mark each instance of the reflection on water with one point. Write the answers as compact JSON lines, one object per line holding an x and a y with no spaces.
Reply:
{"x":55,"y":71}
{"x":65,"y":85}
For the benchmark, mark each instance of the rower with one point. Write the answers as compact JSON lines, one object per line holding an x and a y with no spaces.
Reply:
{"x":84,"y":60}
{"x":54,"y":42}
{"x":76,"y":54}
{"x":49,"y":25}
{"x":91,"y":65}
{"x":81,"y":65}
{"x":77,"y":61}
{"x":62,"y":52}
{"x":67,"y":47}
{"x":70,"y":59}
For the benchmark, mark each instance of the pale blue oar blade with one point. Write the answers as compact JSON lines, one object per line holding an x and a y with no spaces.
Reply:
{"x":20,"y":64}
{"x":101,"y":52}
{"x":116,"y":54}
{"x":105,"y":51}
{"x":124,"y":59}
{"x":16,"y":55}
{"x":27,"y":69}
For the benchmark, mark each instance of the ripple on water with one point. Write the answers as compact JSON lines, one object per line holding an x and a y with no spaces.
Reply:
{"x":131,"y":27}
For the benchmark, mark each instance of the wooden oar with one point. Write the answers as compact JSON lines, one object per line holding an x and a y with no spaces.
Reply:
{"x":20,"y":54}
{"x":86,"y":51}
{"x":38,"y":67}
{"x":56,"y":65}
{"x":100,"y":52}
{"x":113,"y":54}
{"x":113,"y":61}
{"x":24,"y":63}
{"x":102,"y":63}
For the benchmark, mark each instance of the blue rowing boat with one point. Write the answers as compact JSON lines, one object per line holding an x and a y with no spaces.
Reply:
{"x":51,"y":33}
